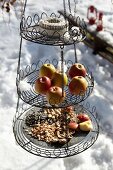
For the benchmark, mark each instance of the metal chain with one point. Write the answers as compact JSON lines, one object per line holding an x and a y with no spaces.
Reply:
{"x":75,"y":53}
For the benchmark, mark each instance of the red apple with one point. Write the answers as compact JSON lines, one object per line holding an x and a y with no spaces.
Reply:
{"x":78,"y":85}
{"x":42,"y":85}
{"x":68,"y":109}
{"x":83,"y":117}
{"x":47,"y":70}
{"x":77,"y":70}
{"x":59,"y":79}
{"x":73,"y":125}
{"x":55,"y":95}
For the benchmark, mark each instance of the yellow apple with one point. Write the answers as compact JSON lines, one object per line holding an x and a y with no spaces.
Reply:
{"x":55,"y":95}
{"x":86,"y":126}
{"x":59,"y":79}
{"x":47,"y":70}
{"x":78,"y":85}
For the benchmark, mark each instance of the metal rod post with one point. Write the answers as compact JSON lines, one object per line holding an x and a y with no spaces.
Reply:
{"x":69,"y":4}
{"x":62,"y":68}
{"x":66,"y":124}
{"x":20,"y":49}
{"x":24,"y":7}
{"x":64,"y":5}
{"x":76,"y":60}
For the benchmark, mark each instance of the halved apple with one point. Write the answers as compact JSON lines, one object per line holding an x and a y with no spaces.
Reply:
{"x":73,"y":125}
{"x":86,"y":126}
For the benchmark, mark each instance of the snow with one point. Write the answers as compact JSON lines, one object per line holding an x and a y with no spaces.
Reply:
{"x":12,"y":156}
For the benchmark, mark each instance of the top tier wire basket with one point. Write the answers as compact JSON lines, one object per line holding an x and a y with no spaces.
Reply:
{"x":51,"y":32}
{"x":30,"y":30}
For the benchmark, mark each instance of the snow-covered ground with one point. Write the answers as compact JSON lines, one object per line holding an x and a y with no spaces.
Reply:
{"x":12,"y":156}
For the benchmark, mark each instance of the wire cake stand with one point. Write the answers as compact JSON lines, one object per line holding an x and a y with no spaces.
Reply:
{"x":31,"y":102}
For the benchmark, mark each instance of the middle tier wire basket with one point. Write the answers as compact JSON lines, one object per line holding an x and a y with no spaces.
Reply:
{"x":26,"y":79}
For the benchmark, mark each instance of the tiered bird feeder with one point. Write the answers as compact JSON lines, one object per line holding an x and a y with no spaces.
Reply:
{"x":51,"y":118}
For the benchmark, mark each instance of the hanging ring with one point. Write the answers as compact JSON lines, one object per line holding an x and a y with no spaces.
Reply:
{"x":62,"y":47}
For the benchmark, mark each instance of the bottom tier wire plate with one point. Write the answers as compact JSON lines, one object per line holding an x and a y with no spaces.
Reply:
{"x":79,"y":143}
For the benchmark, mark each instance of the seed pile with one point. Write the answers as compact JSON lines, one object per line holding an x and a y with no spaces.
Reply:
{"x":53,"y":127}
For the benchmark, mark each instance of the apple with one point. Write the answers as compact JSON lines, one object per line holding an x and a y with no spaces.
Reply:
{"x":59,"y":79}
{"x":78,"y":85}
{"x":68,"y":109}
{"x":86,"y":126}
{"x":47,"y":70}
{"x":55,"y":95}
{"x":77,"y":69}
{"x":83,"y":117}
{"x":73,"y":125}
{"x":42,"y":85}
